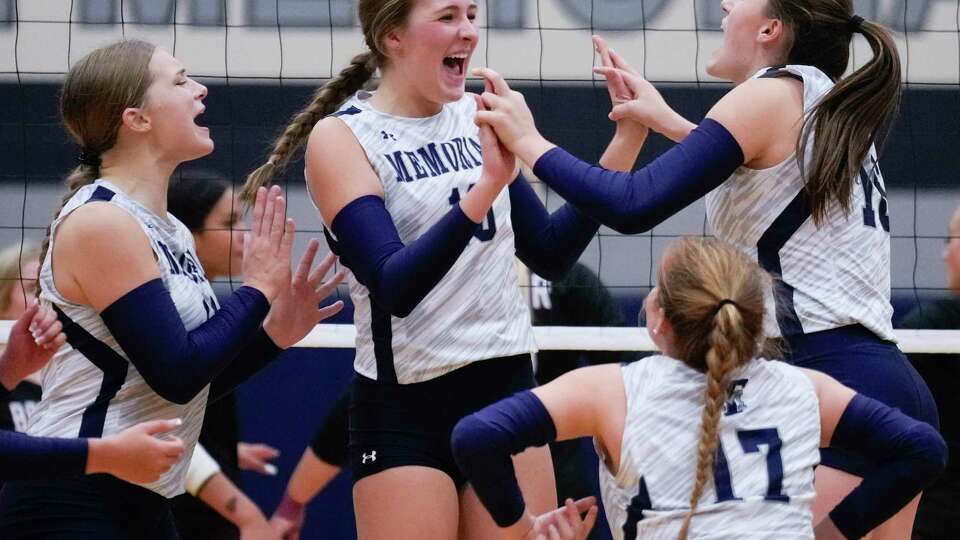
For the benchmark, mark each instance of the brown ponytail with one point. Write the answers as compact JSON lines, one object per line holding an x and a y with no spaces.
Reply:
{"x":98,"y":88}
{"x":857,"y":112}
{"x":325,"y":101}
{"x":712,"y":296}
{"x":377,"y":17}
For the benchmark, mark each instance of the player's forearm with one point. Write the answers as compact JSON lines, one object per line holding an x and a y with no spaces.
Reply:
{"x":675,"y":127}
{"x":622,"y":152}
{"x":227,"y":500}
{"x":311,"y":475}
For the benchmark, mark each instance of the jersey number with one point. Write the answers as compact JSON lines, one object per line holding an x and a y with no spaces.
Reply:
{"x":750,"y":440}
{"x":869,"y":181}
{"x":489,"y":227}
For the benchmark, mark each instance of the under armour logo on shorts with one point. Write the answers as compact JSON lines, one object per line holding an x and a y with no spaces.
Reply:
{"x":372,"y":456}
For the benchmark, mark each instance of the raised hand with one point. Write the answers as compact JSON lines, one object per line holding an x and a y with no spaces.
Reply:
{"x":296,"y":310}
{"x":267,"y":246}
{"x":34,"y":339}
{"x":618,"y":89}
{"x":136,"y":454}
{"x":254,"y":457}
{"x":646,"y":106}
{"x":499,"y":164}
{"x":506,"y":111}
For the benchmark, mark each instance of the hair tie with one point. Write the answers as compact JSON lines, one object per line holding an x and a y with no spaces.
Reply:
{"x":855,"y":24}
{"x":89,"y":159}
{"x":724,"y":302}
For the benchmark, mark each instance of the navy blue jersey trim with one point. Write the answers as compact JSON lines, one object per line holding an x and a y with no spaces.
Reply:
{"x":778,"y":71}
{"x":114,"y":369}
{"x":768,"y":255}
{"x":347,"y":112}
{"x":101,"y":194}
{"x":635,"y":511}
{"x":381,"y":326}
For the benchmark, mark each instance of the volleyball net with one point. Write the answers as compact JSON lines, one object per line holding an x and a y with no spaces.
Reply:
{"x":261,"y":60}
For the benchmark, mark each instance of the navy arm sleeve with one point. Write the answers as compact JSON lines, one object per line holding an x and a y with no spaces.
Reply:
{"x":23,"y":457}
{"x":178,"y":364}
{"x":909,"y":454}
{"x":398,"y":276}
{"x":257,"y":354}
{"x":549,"y":244}
{"x":483,"y":442}
{"x":636,"y":202}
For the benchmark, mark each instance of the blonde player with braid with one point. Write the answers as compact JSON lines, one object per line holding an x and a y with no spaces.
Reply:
{"x":706,"y":440}
{"x":412,"y":195}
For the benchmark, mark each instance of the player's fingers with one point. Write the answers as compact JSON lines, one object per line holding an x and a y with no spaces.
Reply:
{"x":259,"y":208}
{"x":279,"y":222}
{"x":329,"y":311}
{"x":489,"y":118}
{"x":303,"y":274}
{"x":602,"y":50}
{"x":567,"y":520}
{"x":496,"y":80}
{"x":267,"y":221}
{"x":156,"y":427}
{"x":624,"y":110}
{"x":49,"y":333}
{"x":286,"y":241}
{"x":493,"y":102}
{"x":329,"y":286}
{"x":316,"y":277}
{"x":57,"y":342}
{"x":553,"y":533}
{"x":619,"y":62}
{"x":30,"y":317}
{"x":172,"y":447}
{"x":264,"y":451}
{"x":584,"y":504}
{"x":47,"y":317}
{"x":589,"y":521}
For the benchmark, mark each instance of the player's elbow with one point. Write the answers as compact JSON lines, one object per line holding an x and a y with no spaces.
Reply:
{"x":632,"y":221}
{"x":176,"y":391}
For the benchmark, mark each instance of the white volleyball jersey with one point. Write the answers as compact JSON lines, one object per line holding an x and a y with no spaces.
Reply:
{"x":476,"y":311}
{"x":762,"y":481}
{"x":90,"y":387}
{"x":832,"y":276}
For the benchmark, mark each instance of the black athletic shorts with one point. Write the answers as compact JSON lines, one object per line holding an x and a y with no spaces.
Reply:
{"x":875,"y":368}
{"x":396,"y":425}
{"x":94,"y":507}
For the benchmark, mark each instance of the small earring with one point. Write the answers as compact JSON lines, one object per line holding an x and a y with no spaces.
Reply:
{"x":656,"y":332}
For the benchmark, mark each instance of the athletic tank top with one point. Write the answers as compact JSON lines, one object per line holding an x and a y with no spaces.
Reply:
{"x":476,"y":311}
{"x":90,"y":387}
{"x":832,"y":276}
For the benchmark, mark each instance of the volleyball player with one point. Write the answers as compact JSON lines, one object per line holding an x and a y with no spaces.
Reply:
{"x":410,"y":192}
{"x":706,"y":440}
{"x":818,"y":223}
{"x":146,"y":337}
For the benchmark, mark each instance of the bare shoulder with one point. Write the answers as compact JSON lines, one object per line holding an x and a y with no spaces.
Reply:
{"x":757,"y":97}
{"x":762,"y":115}
{"x":337,"y":168}
{"x":100,"y":254}
{"x":101,"y":224}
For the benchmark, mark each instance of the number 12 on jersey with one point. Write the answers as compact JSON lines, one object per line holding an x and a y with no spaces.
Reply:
{"x":489,"y":226}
